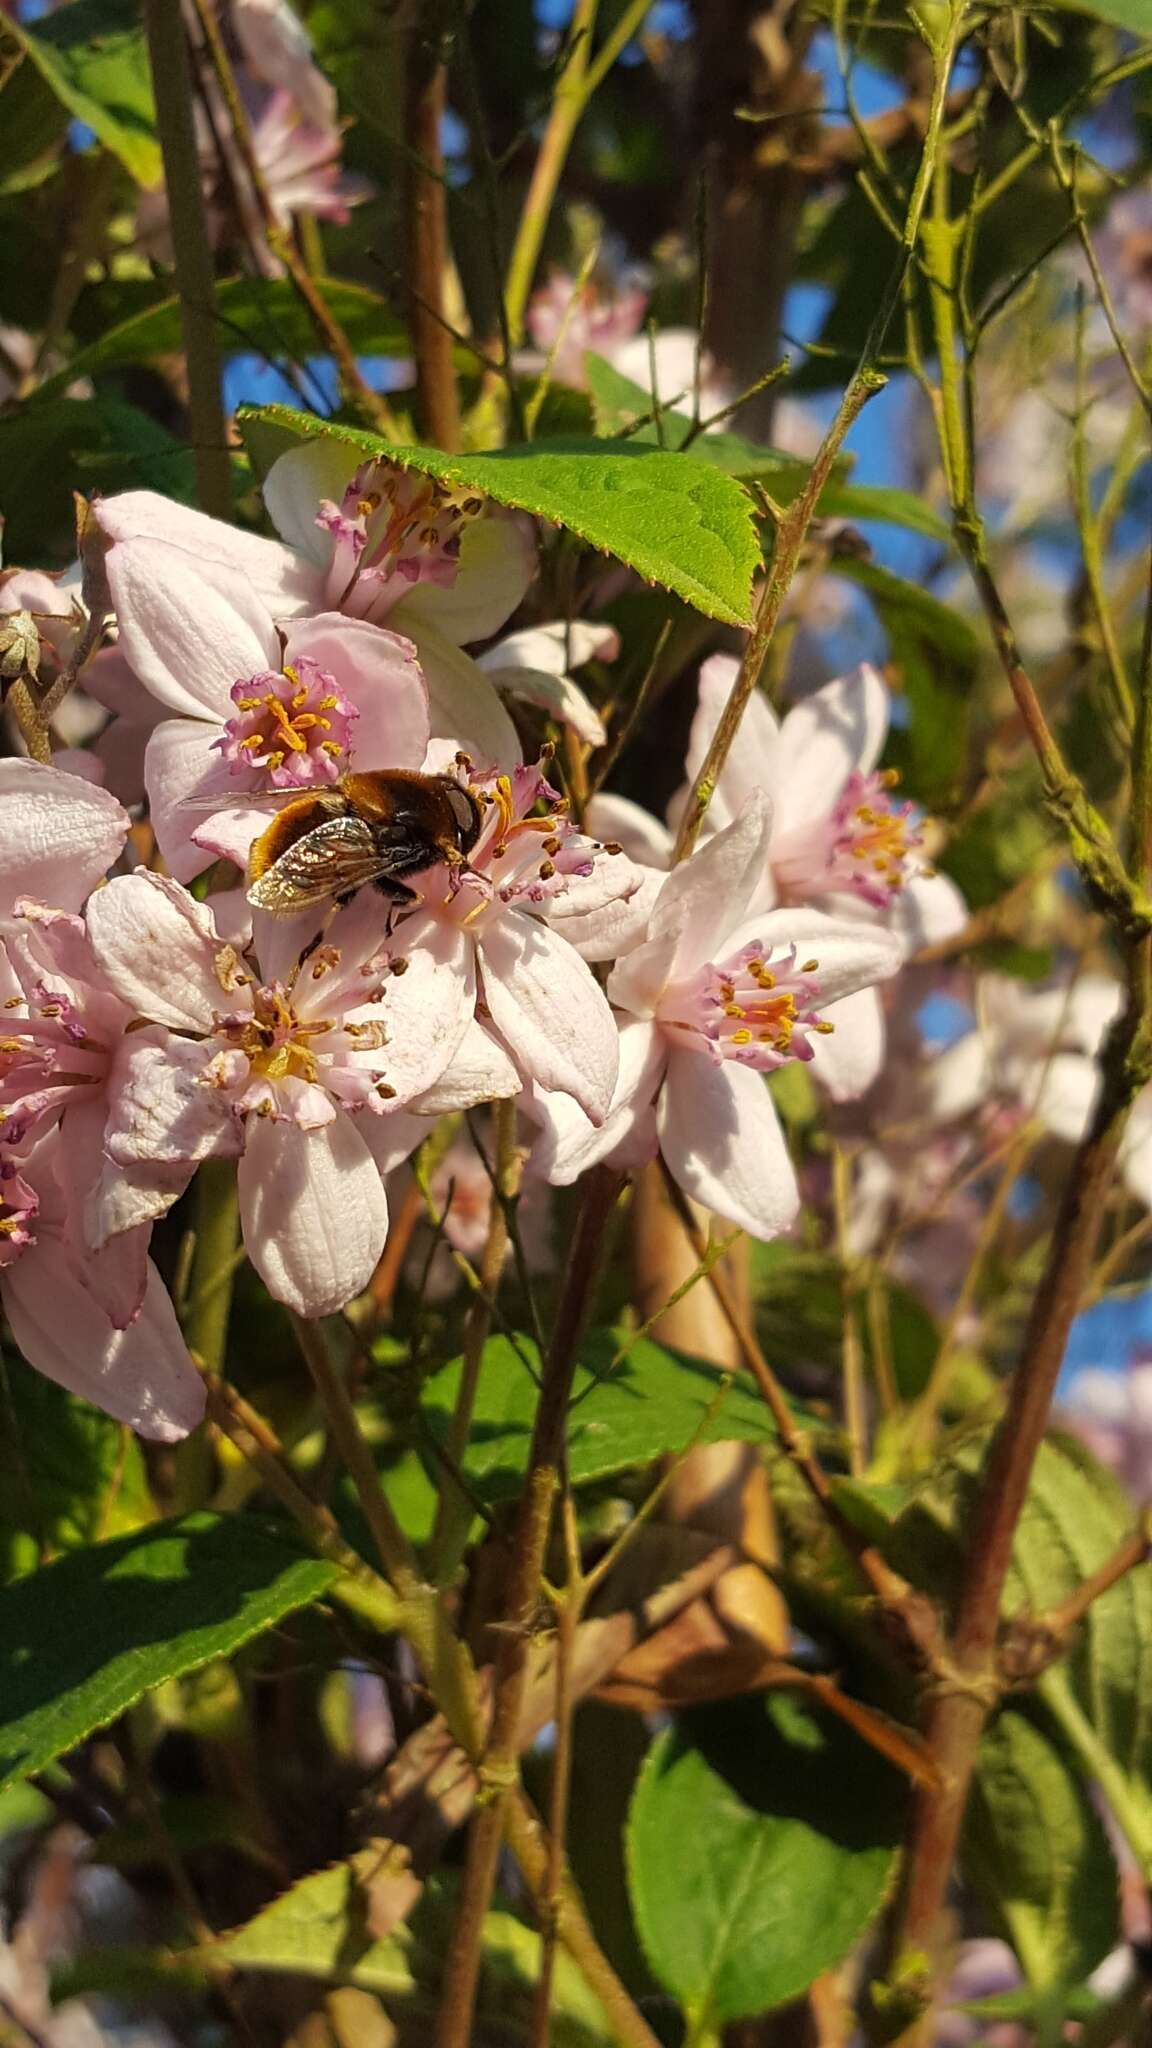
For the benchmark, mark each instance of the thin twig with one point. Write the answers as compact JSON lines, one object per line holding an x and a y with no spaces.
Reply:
{"x":426,"y":228}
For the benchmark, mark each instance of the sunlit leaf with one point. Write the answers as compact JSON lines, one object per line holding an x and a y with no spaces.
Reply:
{"x":94,"y":57}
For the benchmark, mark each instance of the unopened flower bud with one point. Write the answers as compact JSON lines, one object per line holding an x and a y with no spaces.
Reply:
{"x":19,"y":647}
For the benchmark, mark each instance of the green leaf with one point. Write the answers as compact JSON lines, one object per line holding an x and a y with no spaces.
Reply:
{"x":618,"y":403}
{"x":761,"y":1843}
{"x":319,"y":1929}
{"x":672,"y":518}
{"x":34,"y":126}
{"x":253,"y":313}
{"x":52,"y":447}
{"x":1135,"y":15}
{"x":83,"y":1639}
{"x":94,"y":57}
{"x":656,"y":1400}
{"x":1000,"y":843}
{"x":68,"y":1474}
{"x":1037,"y":1853}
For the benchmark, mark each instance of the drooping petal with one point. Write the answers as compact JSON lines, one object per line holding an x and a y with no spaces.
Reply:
{"x":159,"y":951}
{"x":497,"y":563}
{"x":837,"y":729}
{"x":644,"y":839}
{"x":180,"y":769}
{"x":313,"y":1211}
{"x":479,"y":1071}
{"x":848,"y":1061}
{"x":379,"y":673}
{"x":562,"y":700}
{"x":699,"y":903}
{"x":393,"y":1139}
{"x":60,"y":837}
{"x":549,"y":1010}
{"x":189,"y":633}
{"x":555,"y":648}
{"x":568,"y":1143}
{"x":722,"y":1141}
{"x":286,"y":584}
{"x":463,"y":706}
{"x":142,"y":1375}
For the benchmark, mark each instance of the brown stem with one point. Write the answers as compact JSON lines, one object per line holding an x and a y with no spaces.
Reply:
{"x":426,"y":251}
{"x":396,"y":1553}
{"x":961,"y":1704}
{"x":530,"y":1538}
{"x":568,"y":1614}
{"x":1124,"y":1559}
{"x":192,"y":254}
{"x":279,"y":239}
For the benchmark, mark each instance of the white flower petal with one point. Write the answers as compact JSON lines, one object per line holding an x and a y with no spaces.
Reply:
{"x":463,"y":705}
{"x":555,"y":648}
{"x":393,"y":1139}
{"x":497,"y":563}
{"x":158,"y":948}
{"x":549,"y":1010}
{"x":297,"y":483}
{"x":60,"y":837}
{"x":643,"y":837}
{"x":850,"y":953}
{"x":313,"y":1210}
{"x":162,"y":1110}
{"x":849,"y":1060}
{"x":568,"y":1143}
{"x":558,"y":697}
{"x":607,"y":930}
{"x":722,"y":1142}
{"x":286,"y":584}
{"x":837,"y":729}
{"x":957,"y":1081}
{"x":189,"y":635}
{"x":751,"y":762}
{"x":1063,"y":1093}
{"x":179,"y":769}
{"x":928,"y":910}
{"x":479,"y":1071}
{"x":142,"y":1375}
{"x":429,"y":1007}
{"x":701,"y":901}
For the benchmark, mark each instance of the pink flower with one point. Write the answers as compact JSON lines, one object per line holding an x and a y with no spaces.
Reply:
{"x":255,"y":709}
{"x":532,"y":666}
{"x":715,"y":998}
{"x":60,"y":837}
{"x":839,"y":837}
{"x":300,"y":159}
{"x":141,"y":1374}
{"x":573,"y":319}
{"x":289,"y":1071}
{"x":439,"y":572}
{"x":278,"y":50}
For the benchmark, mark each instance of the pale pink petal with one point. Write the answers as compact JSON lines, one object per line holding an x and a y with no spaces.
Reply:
{"x":162,"y":1107}
{"x":721,"y":1139}
{"x":142,"y":1375}
{"x":313,"y":1211}
{"x":463,"y":706}
{"x":642,"y":836}
{"x":60,"y":837}
{"x":497,"y":563}
{"x":608,"y":929}
{"x":549,"y":1010}
{"x":752,"y":760}
{"x":555,"y":648}
{"x":286,"y":584}
{"x":159,"y":951}
{"x":957,"y":1081}
{"x":848,"y":953}
{"x":568,"y":1143}
{"x":837,"y":729}
{"x":125,"y":1197}
{"x":228,"y":834}
{"x":379,"y":672}
{"x":189,"y":635}
{"x":927,"y":910}
{"x":180,"y":769}
{"x":393,"y":1139}
{"x":479,"y":1071}
{"x":700,"y":902}
{"x":428,"y":1008}
{"x":117,"y":1274}
{"x":848,"y":1061}
{"x":297,"y":484}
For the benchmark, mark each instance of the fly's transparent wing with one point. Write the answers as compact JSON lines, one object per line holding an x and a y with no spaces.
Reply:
{"x":333,"y":860}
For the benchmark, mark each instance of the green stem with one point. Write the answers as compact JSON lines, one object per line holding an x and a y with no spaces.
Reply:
{"x":1132,"y":1814}
{"x":192,"y":254}
{"x":217,"y":1232}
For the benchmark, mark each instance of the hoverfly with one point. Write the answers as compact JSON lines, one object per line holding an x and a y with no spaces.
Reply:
{"x":365,"y":830}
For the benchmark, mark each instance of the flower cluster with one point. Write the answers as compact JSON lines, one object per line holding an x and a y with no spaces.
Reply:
{"x":304,"y":707}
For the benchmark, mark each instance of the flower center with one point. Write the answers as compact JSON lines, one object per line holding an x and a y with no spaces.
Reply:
{"x":867,"y":845}
{"x":18,"y":1206}
{"x":45,"y":1051}
{"x":393,"y":528}
{"x":276,"y":1045}
{"x":295,"y":726}
{"x":751,"y":1007}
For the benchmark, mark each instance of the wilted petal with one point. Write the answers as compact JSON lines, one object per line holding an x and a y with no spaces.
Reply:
{"x":558,"y":697}
{"x":313,"y":1210}
{"x":60,"y":837}
{"x":549,"y":1010}
{"x":497,"y":563}
{"x":555,"y":648}
{"x":159,"y":951}
{"x":189,"y":635}
{"x":837,"y":729}
{"x":722,"y":1142}
{"x":142,"y":1375}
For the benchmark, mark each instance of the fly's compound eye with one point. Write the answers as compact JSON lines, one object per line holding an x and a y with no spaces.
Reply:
{"x":465,"y":811}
